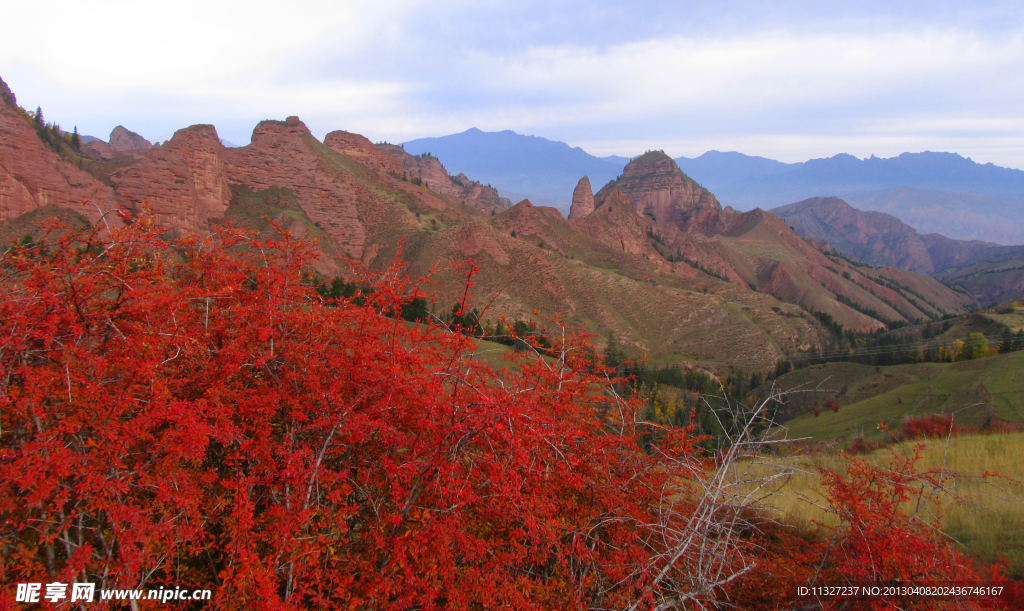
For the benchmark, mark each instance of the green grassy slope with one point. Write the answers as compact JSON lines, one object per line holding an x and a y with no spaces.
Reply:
{"x":978,"y":392}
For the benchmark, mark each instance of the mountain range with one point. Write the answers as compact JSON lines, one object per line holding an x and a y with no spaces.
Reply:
{"x":652,"y":259}
{"x":935,"y":192}
{"x":990,"y":272}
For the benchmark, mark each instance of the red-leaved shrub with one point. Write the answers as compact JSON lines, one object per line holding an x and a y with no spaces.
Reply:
{"x":930,"y":427}
{"x":192,"y":413}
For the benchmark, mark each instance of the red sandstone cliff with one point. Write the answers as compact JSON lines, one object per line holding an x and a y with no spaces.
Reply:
{"x":184,"y":181}
{"x":280,"y":155}
{"x":32,"y":175}
{"x":659,"y":191}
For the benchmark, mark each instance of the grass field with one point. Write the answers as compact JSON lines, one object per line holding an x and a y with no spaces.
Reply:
{"x":976,"y":391}
{"x":986,"y":517}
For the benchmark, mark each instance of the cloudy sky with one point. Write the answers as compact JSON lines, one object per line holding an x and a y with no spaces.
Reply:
{"x":786,"y":80}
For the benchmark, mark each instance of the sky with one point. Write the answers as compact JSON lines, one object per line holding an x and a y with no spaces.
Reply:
{"x":785,"y":80}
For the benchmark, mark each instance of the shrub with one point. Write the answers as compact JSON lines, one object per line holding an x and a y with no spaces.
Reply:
{"x":933,"y":426}
{"x":194,"y":413}
{"x":861,"y":445}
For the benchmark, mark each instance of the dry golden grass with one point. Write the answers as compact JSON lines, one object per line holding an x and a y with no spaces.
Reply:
{"x":986,"y":516}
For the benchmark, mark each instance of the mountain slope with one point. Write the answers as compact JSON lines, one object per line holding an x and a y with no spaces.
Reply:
{"x":657,"y":263}
{"x":993,"y":276}
{"x":685,"y":223}
{"x":988,"y":271}
{"x":34,"y":175}
{"x":874,"y":237}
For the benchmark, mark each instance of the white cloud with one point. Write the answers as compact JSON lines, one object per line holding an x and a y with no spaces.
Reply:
{"x":400,"y":69}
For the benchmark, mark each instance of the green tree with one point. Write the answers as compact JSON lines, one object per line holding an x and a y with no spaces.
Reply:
{"x":977,"y":346}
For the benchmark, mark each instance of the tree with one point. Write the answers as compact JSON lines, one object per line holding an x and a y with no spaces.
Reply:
{"x":39,"y":115}
{"x":977,"y":346}
{"x":76,"y":140}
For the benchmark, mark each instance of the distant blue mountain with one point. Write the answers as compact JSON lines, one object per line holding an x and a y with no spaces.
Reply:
{"x":617,"y":160}
{"x":715,"y":170}
{"x":519,"y":166}
{"x":935,"y":192}
{"x":848,"y":177}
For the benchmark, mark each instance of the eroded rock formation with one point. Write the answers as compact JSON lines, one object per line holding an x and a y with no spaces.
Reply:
{"x":128,"y":142}
{"x":582,"y":199}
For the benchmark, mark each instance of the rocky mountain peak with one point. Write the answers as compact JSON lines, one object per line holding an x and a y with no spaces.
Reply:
{"x":196,"y":132}
{"x":126,"y":141}
{"x":270,"y":129}
{"x":651,"y":163}
{"x":660,"y":192}
{"x":582,"y":199}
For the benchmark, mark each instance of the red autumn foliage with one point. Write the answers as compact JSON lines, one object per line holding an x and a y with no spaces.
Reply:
{"x":888,"y":532}
{"x":931,"y":427}
{"x":192,"y":413}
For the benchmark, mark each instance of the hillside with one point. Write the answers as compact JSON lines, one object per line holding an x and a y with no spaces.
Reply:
{"x":876,"y":238}
{"x":983,"y":389}
{"x":684,"y":222}
{"x":991,"y":273}
{"x":994,"y":276}
{"x":979,"y":392}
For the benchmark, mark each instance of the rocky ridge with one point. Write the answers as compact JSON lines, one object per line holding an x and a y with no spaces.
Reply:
{"x":428,"y":171}
{"x":657,"y":263}
{"x":124,"y":141}
{"x":681,"y":222}
{"x":875,"y":237}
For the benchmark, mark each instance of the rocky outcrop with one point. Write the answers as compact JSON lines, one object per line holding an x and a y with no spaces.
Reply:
{"x":200,"y":148}
{"x":362,"y":150}
{"x":614,"y":223}
{"x":280,"y":156}
{"x":544,"y":226}
{"x":32,"y":175}
{"x":582,"y":199}
{"x":128,"y":142}
{"x":660,"y":192}
{"x":184,"y":182}
{"x":428,"y":171}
